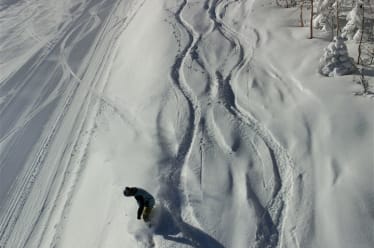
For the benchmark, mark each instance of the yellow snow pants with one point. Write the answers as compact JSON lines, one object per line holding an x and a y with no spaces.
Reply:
{"x":147,"y":214}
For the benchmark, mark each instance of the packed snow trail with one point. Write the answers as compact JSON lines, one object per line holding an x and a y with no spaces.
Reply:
{"x":46,"y":116}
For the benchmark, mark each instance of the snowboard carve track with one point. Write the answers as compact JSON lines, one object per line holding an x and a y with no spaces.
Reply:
{"x":282,"y":163}
{"x":173,"y":173}
{"x":266,"y":233}
{"x":202,"y":127}
{"x":171,"y":192}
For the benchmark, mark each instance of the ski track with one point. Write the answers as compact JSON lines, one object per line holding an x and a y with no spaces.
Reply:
{"x":24,"y":183}
{"x":202,"y":130}
{"x":71,"y":85}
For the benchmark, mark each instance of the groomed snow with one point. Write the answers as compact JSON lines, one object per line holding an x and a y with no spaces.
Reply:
{"x":215,"y":107}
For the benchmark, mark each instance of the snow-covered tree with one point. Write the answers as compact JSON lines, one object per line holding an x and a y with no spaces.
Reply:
{"x":325,"y":17}
{"x":352,"y":30}
{"x":336,"y":61}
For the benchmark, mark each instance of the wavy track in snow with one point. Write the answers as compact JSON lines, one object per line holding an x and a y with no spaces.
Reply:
{"x":171,"y":167}
{"x":204,"y":137}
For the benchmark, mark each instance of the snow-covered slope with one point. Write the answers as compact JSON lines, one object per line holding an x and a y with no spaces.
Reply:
{"x":214,"y":107}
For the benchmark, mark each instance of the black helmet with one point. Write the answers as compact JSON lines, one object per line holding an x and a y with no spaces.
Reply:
{"x":129,"y":191}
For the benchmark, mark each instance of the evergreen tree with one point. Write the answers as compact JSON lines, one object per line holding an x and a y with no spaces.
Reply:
{"x":352,"y":29}
{"x":325,"y":17}
{"x":336,"y":61}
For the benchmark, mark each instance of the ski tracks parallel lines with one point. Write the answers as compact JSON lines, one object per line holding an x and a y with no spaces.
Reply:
{"x":77,"y":160}
{"x":19,"y":199}
{"x":24,"y":182}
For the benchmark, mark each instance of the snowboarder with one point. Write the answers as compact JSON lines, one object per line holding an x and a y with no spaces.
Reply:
{"x":145,"y":201}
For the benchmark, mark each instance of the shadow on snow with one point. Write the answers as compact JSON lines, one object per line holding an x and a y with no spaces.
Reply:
{"x":169,"y":227}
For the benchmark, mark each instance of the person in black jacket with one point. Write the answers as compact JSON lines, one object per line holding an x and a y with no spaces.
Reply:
{"x":144,"y":199}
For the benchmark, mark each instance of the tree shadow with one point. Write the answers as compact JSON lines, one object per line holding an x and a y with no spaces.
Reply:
{"x":169,"y":227}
